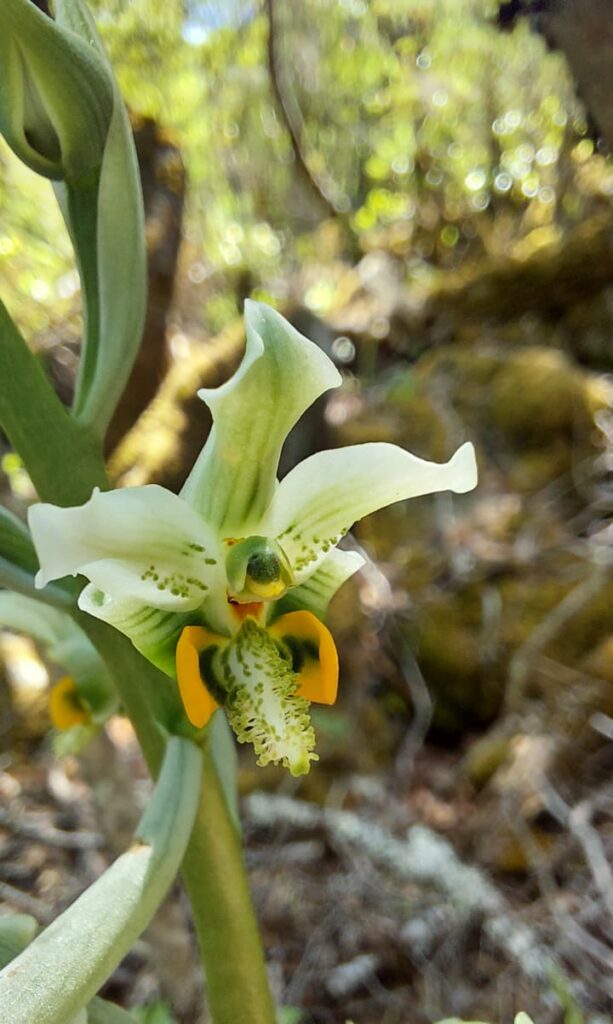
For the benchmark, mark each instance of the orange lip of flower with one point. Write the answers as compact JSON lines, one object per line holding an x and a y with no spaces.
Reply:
{"x":198,"y":703}
{"x":318,"y":675}
{"x":305,"y":637}
{"x":241,"y":611}
{"x":65,"y":706}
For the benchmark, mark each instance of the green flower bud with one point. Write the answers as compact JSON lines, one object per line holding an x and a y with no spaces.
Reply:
{"x":56,"y":93}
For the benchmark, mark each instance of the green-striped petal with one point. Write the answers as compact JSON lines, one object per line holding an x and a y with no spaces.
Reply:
{"x":142,"y":543}
{"x":281,"y":375}
{"x":155,"y":633}
{"x":321,"y":498}
{"x":317,"y":591}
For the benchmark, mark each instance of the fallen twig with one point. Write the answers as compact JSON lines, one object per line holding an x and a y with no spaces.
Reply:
{"x":50,"y":836}
{"x":424,"y":858}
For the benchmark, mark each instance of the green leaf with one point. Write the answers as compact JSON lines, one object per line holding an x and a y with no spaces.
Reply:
{"x":156,"y":1013}
{"x":16,"y":932}
{"x":15,"y":543}
{"x":79,"y":1018}
{"x":60,"y":971}
{"x":224,"y":754}
{"x":105,"y":218}
{"x":290,"y":1015}
{"x":100,"y":1011}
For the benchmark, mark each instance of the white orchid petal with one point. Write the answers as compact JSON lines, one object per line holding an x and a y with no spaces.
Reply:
{"x":140,"y":582}
{"x":322,"y":497}
{"x":153,"y":632}
{"x":315,"y":594}
{"x":281,"y":375}
{"x":143,"y":543}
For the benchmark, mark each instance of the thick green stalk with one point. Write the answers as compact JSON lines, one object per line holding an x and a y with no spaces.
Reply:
{"x":61,"y":970}
{"x":214,"y":875}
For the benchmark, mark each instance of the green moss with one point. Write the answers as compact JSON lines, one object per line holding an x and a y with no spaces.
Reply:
{"x":537,"y":394}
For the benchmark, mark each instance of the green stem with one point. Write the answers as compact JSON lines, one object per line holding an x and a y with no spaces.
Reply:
{"x":213,"y":869}
{"x":214,"y":875}
{"x":61,"y":970}
{"x":14,"y":578}
{"x":64,"y":461}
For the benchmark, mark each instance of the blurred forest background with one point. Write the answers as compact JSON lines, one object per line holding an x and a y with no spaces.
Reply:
{"x":418,"y":188}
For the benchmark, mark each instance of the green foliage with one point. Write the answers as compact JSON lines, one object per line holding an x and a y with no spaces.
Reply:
{"x":38,"y":278}
{"x":446,"y":138}
{"x":566,"y":999}
{"x":290,"y":1015}
{"x":154,"y":1013}
{"x":16,"y":931}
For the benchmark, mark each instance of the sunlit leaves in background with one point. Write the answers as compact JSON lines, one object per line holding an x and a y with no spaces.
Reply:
{"x":445,"y":139}
{"x":37,"y":273}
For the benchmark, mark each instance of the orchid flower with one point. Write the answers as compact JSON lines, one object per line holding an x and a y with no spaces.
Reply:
{"x":85,"y":697}
{"x":225,"y":587}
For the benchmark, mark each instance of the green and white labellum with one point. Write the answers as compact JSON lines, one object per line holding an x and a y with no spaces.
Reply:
{"x":281,"y":375}
{"x":261,"y":701}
